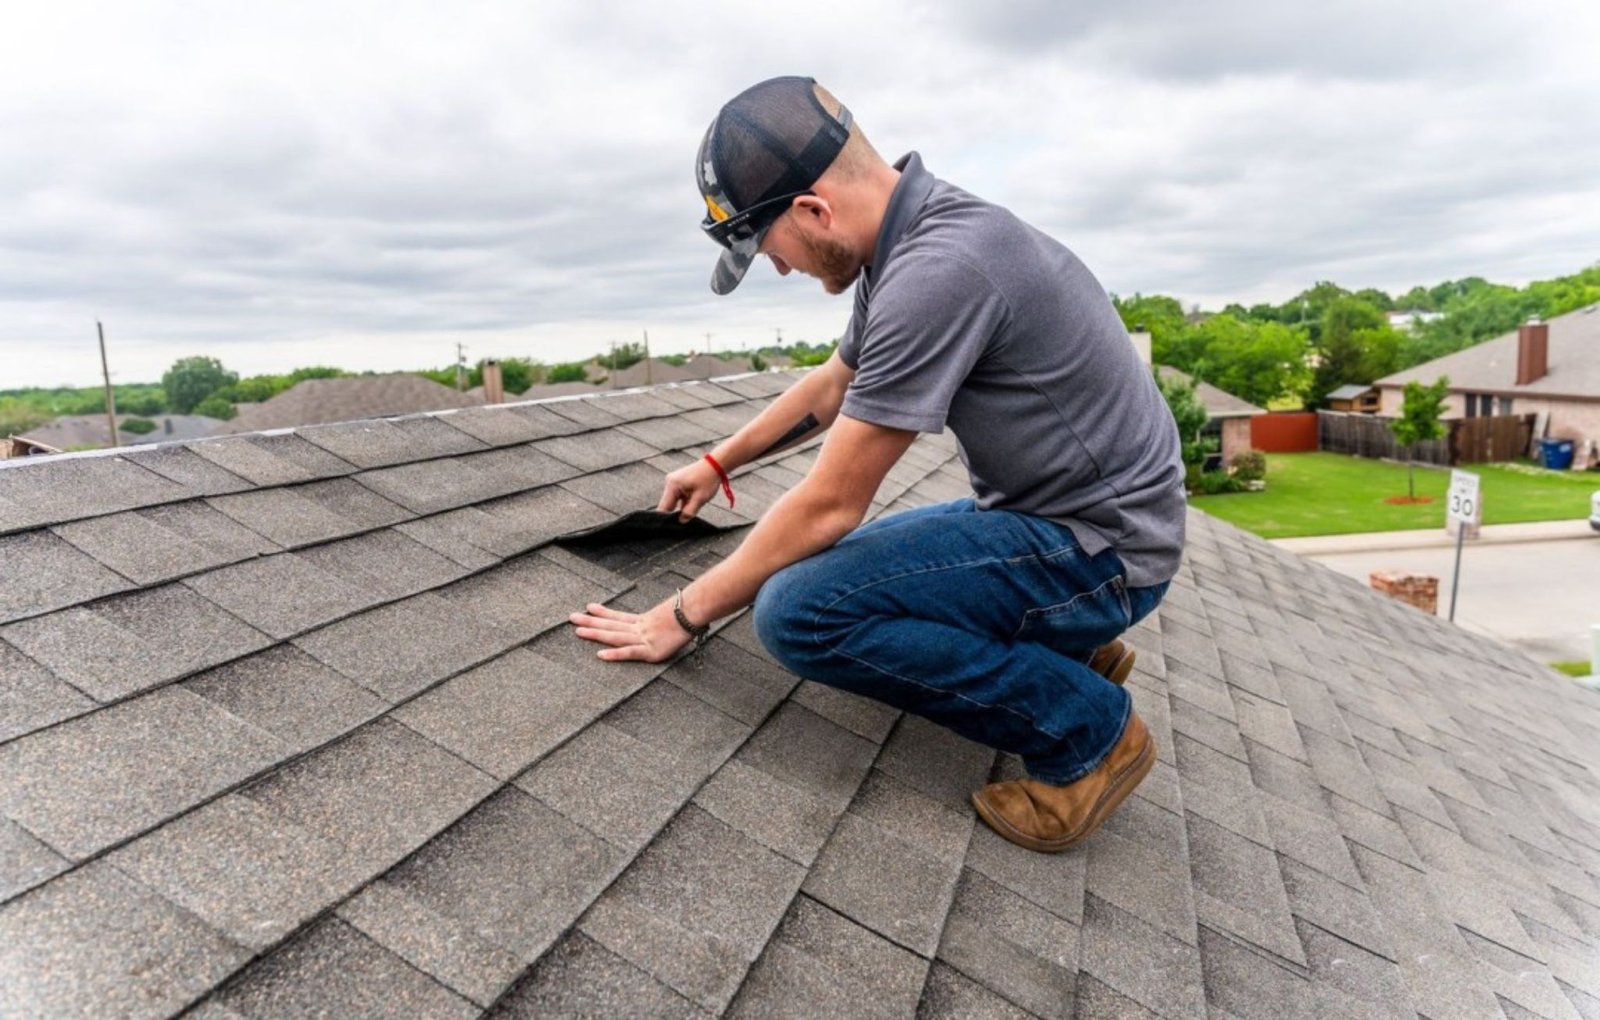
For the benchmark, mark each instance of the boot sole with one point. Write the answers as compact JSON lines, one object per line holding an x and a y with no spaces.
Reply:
{"x":1121,"y":785}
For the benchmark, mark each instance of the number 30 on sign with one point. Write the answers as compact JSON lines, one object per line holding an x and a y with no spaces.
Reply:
{"x":1463,"y":499}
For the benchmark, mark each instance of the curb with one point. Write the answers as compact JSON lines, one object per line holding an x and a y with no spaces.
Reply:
{"x":1436,"y":538}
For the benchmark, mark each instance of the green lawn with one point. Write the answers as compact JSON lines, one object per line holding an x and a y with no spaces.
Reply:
{"x":1332,"y":494}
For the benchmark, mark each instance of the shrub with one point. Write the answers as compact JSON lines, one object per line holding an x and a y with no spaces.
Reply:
{"x":574,"y":371}
{"x":137,"y":426}
{"x":1249,"y":466}
{"x":215,"y":407}
{"x":1213,"y":483}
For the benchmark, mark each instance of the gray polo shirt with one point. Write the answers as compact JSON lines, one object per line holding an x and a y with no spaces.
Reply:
{"x":970,"y":318}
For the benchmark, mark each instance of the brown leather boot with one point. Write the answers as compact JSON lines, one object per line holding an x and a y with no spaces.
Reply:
{"x":1041,"y":816}
{"x":1113,"y":661}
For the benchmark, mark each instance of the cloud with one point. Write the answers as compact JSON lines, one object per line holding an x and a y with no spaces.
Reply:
{"x":370,"y":183}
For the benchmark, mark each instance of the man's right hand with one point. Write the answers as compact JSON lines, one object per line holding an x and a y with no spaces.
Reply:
{"x":689,"y":488}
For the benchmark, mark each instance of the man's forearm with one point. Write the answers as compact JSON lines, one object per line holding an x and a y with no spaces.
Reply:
{"x":801,"y":523}
{"x":801,"y":412}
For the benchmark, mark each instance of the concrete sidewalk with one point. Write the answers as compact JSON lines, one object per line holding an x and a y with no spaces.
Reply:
{"x":1535,"y":587}
{"x":1489,"y":534}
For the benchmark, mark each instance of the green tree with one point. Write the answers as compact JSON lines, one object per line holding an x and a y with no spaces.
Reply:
{"x":1189,"y":414}
{"x":1255,"y":361}
{"x":137,"y":426}
{"x":191,"y":380}
{"x":804,"y":358}
{"x":1160,"y":316}
{"x":757,"y":362}
{"x":516,"y":374}
{"x":623,"y":356}
{"x":1419,"y":421}
{"x":1341,"y":347}
{"x":18,"y":416}
{"x":572,"y":371}
{"x":145,"y":400}
{"x":215,"y":406}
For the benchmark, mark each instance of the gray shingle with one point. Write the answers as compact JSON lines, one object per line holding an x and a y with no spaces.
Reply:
{"x":630,"y":406}
{"x":44,"y":573}
{"x":366,"y":444}
{"x":800,"y":748}
{"x":497,"y":426}
{"x":1245,"y":985}
{"x":733,"y":680}
{"x":289,"y":694}
{"x":30,"y":697}
{"x":1309,"y":838}
{"x":1053,"y":881}
{"x":696,"y":908}
{"x":1287,"y":778}
{"x":587,"y":414}
{"x":333,"y":970}
{"x":163,"y":542}
{"x":182,"y":465}
{"x":101,"y":778}
{"x":1097,"y":1001}
{"x":244,"y":870}
{"x":897,"y":889}
{"x":293,"y":448}
{"x":95,"y":943}
{"x":429,"y":486}
{"x":257,"y":463}
{"x":507,"y":713}
{"x":70,"y":488}
{"x":1026,"y":954}
{"x":513,"y":873}
{"x":543,"y":418}
{"x":385,"y":563}
{"x":680,"y":725}
{"x":519,"y":599}
{"x":24,"y":861}
{"x":401,"y":648}
{"x":520,"y":522}
{"x":431,"y":436}
{"x":357,"y":507}
{"x":449,"y":542}
{"x":1335,"y":907}
{"x":774,"y":814}
{"x":669,"y":433}
{"x":284,"y":516}
{"x":1356,"y":971}
{"x":1267,"y":723}
{"x":282,"y":595}
{"x":620,"y":490}
{"x":951,"y":994}
{"x":613,"y":784}
{"x":520,"y":467}
{"x":1198,"y":724}
{"x":821,"y":964}
{"x":936,"y":761}
{"x":1237,"y":889}
{"x":863,"y":716}
{"x":1135,"y":960}
{"x":380,"y":792}
{"x":581,"y":978}
{"x":1373,"y":831}
{"x":1138,"y":861}
{"x":595,"y":451}
{"x":132,"y":642}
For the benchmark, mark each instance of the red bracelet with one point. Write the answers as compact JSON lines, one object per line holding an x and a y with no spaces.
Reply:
{"x":727,"y":486}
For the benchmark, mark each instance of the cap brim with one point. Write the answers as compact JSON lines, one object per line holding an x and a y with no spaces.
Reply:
{"x":731,"y":267}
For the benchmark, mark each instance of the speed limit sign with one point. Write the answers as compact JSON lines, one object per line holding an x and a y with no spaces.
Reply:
{"x":1463,"y":504}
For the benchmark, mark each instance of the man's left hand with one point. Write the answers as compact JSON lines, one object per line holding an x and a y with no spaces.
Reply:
{"x":644,"y":637}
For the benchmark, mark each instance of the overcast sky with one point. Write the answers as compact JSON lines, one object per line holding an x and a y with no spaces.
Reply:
{"x":364,"y":185}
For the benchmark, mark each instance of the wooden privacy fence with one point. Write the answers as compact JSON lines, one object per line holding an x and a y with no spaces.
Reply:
{"x":1466,"y":440}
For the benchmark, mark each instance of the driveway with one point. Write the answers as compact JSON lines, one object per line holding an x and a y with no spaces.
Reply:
{"x":1535,"y":587}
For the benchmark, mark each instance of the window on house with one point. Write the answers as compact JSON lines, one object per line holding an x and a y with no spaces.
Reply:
{"x":1472,"y":405}
{"x":1505,"y":405}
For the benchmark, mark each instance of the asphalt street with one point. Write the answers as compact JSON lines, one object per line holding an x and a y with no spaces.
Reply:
{"x":1536,"y":588}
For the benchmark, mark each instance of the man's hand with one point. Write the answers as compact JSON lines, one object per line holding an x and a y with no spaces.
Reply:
{"x":689,"y":488}
{"x":649,"y":637}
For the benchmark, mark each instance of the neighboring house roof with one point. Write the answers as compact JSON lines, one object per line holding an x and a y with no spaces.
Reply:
{"x":1350,"y":392}
{"x":320,"y":401}
{"x":1218,"y":403}
{"x":544,"y":391}
{"x":294,"y":724}
{"x":90,"y":430}
{"x":1574,"y":362}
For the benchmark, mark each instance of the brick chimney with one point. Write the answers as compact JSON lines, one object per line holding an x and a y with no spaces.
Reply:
{"x":1533,"y":351}
{"x":494,"y":391}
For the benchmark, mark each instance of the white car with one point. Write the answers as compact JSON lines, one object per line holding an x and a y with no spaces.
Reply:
{"x":1594,"y":511}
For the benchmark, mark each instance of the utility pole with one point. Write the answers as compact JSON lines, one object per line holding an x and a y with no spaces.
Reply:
{"x":111,"y":397}
{"x":461,"y":367}
{"x":647,"y":377}
{"x":613,"y":366}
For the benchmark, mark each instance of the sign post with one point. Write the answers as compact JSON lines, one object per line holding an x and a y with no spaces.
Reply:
{"x":1463,"y":510}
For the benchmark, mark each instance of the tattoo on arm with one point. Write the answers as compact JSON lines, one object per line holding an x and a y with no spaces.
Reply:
{"x":802,"y":429}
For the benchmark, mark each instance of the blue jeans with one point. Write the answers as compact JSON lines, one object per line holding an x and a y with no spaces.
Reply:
{"x":980,"y":620}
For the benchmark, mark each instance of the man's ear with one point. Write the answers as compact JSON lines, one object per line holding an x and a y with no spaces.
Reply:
{"x":819,"y":209}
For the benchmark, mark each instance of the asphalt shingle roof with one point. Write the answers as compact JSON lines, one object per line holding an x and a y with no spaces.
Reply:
{"x":1574,"y":339}
{"x":292,"y":725}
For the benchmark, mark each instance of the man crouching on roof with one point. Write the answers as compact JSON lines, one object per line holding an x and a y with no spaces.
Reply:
{"x":996,"y":616}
